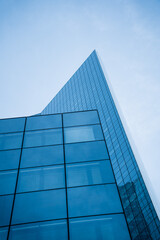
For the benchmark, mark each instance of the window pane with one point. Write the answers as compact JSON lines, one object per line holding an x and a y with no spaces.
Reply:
{"x":7,"y":181}
{"x":84,"y":133}
{"x":9,"y":159}
{"x":93,"y":200}
{"x":5,"y":208}
{"x":3,"y":233}
{"x":89,"y":173}
{"x":41,"y":178}
{"x":80,"y":152}
{"x":12,"y":125}
{"x":39,"y":206}
{"x":80,"y":118}
{"x":43,"y":137}
{"x":110,"y":227}
{"x":42,"y":156}
{"x":42,"y":122}
{"x":50,"y":230}
{"x":10,"y":141}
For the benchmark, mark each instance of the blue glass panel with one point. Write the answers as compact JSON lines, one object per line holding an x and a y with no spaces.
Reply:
{"x":50,"y":230}
{"x":9,"y":159}
{"x":12,"y":125}
{"x":43,"y":122}
{"x":89,"y":151}
{"x":41,"y":178}
{"x":80,"y":118}
{"x":5,"y":209}
{"x":7,"y":181}
{"x":43,"y":137}
{"x":89,"y":173}
{"x":3,"y":233}
{"x":42,"y":156}
{"x":82,"y":134}
{"x":39,"y":206}
{"x":110,"y":227}
{"x":10,"y":141}
{"x":93,"y":200}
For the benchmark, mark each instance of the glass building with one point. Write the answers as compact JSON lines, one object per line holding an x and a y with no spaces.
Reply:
{"x":57,"y":180}
{"x":87,"y":89}
{"x":69,"y":173}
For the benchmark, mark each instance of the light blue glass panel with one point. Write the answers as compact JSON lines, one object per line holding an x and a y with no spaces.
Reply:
{"x":50,"y":230}
{"x":82,"y":134}
{"x":41,"y":156}
{"x":93,"y":200}
{"x":109,"y":227}
{"x":43,"y":137}
{"x":39,"y":206}
{"x":7,"y":181}
{"x":3,"y":233}
{"x":89,"y":173}
{"x":10,"y":141}
{"x":42,"y":178}
{"x":9,"y":159}
{"x":43,"y":122}
{"x":5,"y":209}
{"x":12,"y":125}
{"x":89,"y":151}
{"x":80,"y":118}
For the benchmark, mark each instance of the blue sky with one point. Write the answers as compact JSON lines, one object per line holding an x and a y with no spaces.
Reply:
{"x":42,"y":43}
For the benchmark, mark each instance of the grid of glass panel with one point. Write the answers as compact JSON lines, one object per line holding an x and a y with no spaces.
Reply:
{"x":62,"y":185}
{"x":87,"y":89}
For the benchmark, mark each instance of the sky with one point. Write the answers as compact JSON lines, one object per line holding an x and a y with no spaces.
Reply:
{"x":42,"y":43}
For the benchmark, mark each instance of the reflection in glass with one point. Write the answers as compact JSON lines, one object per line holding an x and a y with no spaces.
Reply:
{"x":82,"y":134}
{"x":12,"y":125}
{"x":9,"y":159}
{"x":43,"y":137}
{"x":80,"y":118}
{"x":7,"y":181}
{"x":39,"y":206}
{"x":89,"y":151}
{"x":89,"y":173}
{"x":41,"y":156}
{"x":10,"y":140}
{"x":93,"y":200}
{"x":3,"y":233}
{"x":41,"y":178}
{"x":50,"y":230}
{"x":5,"y":209}
{"x":43,"y":122}
{"x":110,"y":227}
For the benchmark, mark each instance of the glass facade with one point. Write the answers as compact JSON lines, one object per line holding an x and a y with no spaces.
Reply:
{"x":87,"y":89}
{"x":58,"y":182}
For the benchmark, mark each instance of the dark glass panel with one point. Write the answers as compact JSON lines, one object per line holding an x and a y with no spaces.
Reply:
{"x":3,"y":233}
{"x":110,"y":227}
{"x":80,"y":118}
{"x":42,"y":156}
{"x":50,"y":230}
{"x":12,"y":125}
{"x":10,"y":141}
{"x":43,"y":137}
{"x":43,"y":122}
{"x":9,"y":159}
{"x":82,"y":134}
{"x":5,"y":209}
{"x":42,"y":178}
{"x":93,"y":200}
{"x":89,"y":173}
{"x":80,"y":152}
{"x":7,"y":181}
{"x":39,"y":206}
